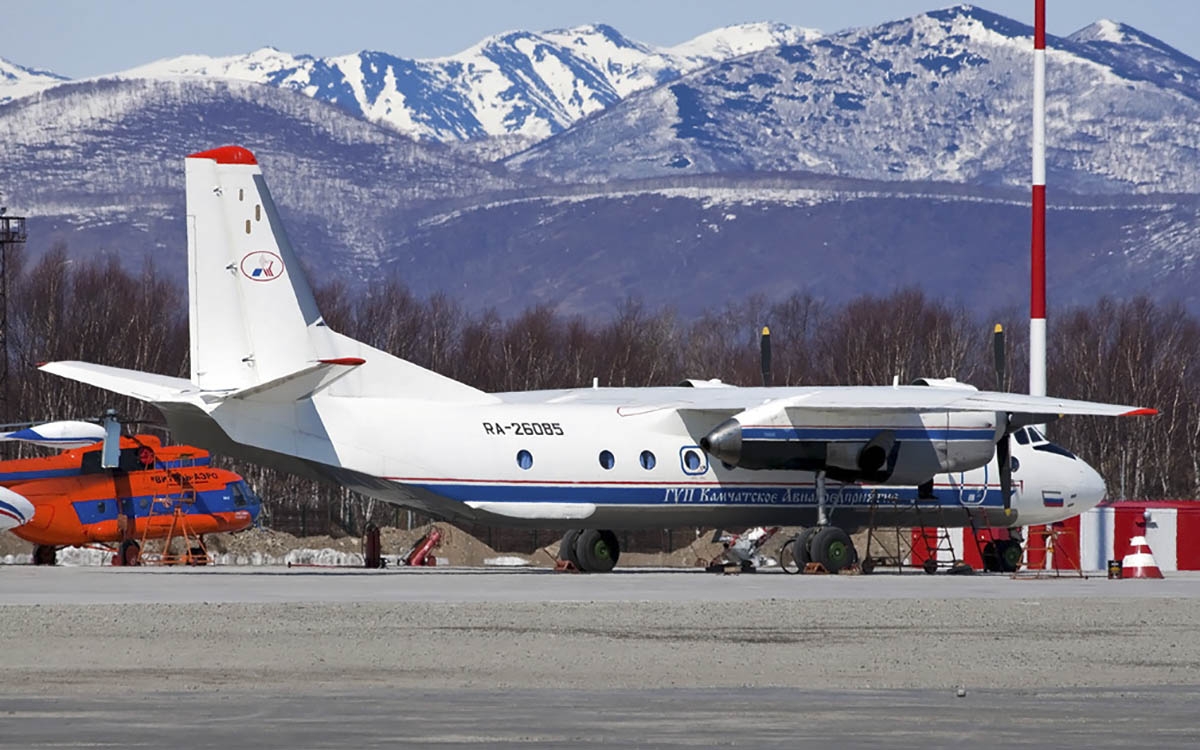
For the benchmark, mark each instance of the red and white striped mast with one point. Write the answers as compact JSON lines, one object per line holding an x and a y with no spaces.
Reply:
{"x":1037,"y":299}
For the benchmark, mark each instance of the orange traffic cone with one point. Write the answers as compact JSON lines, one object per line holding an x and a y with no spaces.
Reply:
{"x":1139,"y":563}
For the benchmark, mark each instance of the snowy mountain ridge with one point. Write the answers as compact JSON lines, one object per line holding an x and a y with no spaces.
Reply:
{"x":17,"y":81}
{"x":516,"y":83}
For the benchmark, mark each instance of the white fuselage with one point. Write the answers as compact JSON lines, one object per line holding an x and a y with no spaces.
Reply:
{"x":595,"y":458}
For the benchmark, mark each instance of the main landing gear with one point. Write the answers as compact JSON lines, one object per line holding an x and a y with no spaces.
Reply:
{"x":827,"y":545}
{"x":590,"y":550}
{"x":824,"y":544}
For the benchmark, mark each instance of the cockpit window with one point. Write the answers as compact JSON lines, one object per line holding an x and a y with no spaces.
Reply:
{"x":1056,"y":449}
{"x":1036,"y":436}
{"x":1022,"y":436}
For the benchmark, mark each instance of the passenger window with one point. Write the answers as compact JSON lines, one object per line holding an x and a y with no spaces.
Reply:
{"x":258,"y":212}
{"x":247,"y":226}
{"x":692,"y":460}
{"x":100,"y":507}
{"x":525,"y":459}
{"x":606,"y":459}
{"x":647,"y":460}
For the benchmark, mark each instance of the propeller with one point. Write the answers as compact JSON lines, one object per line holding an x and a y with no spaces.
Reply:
{"x":998,"y":355}
{"x":764,"y":349}
{"x":1003,"y":445}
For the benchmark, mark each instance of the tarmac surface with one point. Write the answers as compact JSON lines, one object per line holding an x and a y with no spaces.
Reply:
{"x":304,"y":657}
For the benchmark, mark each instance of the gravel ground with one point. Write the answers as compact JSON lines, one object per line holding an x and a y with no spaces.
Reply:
{"x":834,"y":644}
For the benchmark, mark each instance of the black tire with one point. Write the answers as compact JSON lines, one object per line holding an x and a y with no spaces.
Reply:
{"x":991,"y":558}
{"x":833,"y":549}
{"x":597,"y":550}
{"x":197,"y":556}
{"x":45,"y":554}
{"x":867,"y":566}
{"x":131,"y":552}
{"x":566,"y":548}
{"x":1010,"y":555}
{"x":787,"y":560}
{"x":802,"y":547}
{"x":930,"y":565}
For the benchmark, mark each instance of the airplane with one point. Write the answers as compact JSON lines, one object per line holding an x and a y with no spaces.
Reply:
{"x":271,"y":383}
{"x":69,"y":499}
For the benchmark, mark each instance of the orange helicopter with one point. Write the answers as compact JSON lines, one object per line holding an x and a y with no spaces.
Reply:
{"x":147,"y":490}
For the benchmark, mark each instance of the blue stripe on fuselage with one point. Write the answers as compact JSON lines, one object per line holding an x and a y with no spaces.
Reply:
{"x":12,"y":509}
{"x":862,"y":433}
{"x":207,"y":501}
{"x":713,"y":494}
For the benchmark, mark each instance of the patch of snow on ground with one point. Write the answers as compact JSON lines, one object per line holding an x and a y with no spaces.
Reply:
{"x":506,"y":561}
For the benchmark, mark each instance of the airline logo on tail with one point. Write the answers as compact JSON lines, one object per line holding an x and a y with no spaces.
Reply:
{"x":262,"y":265}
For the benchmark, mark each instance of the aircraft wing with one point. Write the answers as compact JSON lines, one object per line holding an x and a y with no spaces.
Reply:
{"x":866,"y":400}
{"x":926,"y":399}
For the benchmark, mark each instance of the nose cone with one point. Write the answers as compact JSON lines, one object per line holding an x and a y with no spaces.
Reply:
{"x":15,"y":510}
{"x":1089,"y":489}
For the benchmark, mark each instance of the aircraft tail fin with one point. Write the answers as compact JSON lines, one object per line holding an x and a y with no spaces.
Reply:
{"x":254,"y":321}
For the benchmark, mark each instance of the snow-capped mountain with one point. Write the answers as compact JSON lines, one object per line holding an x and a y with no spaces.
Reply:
{"x":517,"y":83}
{"x":943,"y":96}
{"x":99,"y":165}
{"x":866,"y":160}
{"x":17,"y":81}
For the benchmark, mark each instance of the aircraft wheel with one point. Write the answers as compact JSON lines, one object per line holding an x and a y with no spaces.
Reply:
{"x":45,"y":554}
{"x":131,"y":552}
{"x":991,"y":558}
{"x":832,"y":548}
{"x":597,"y":550}
{"x":197,"y":556}
{"x":802,"y":547}
{"x":1010,"y":555}
{"x":930,"y":565}
{"x":566,"y":548}
{"x":787,"y":557}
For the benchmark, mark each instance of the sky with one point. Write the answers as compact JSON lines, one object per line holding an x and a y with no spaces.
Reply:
{"x":80,"y":38}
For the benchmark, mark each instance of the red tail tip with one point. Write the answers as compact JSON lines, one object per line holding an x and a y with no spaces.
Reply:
{"x":1140,"y":413}
{"x":226,"y":155}
{"x":347,"y":361}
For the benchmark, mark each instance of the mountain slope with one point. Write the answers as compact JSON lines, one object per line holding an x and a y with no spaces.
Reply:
{"x":942,"y":96}
{"x":101,"y":159}
{"x":517,"y":83}
{"x":17,"y":81}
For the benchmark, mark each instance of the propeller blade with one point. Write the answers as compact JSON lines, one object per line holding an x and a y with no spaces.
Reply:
{"x":1004,"y":462}
{"x":764,"y":349}
{"x":998,"y":356}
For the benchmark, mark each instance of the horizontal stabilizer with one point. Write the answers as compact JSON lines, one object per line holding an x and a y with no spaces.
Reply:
{"x":300,"y":384}
{"x":144,"y":386}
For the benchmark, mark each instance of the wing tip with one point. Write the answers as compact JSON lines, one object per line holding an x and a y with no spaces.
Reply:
{"x":1140,"y":413}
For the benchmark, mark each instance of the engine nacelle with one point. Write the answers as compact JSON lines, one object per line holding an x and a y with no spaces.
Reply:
{"x":901,"y":448}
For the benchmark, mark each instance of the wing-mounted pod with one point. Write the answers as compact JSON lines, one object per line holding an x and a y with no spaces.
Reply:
{"x":889,"y":446}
